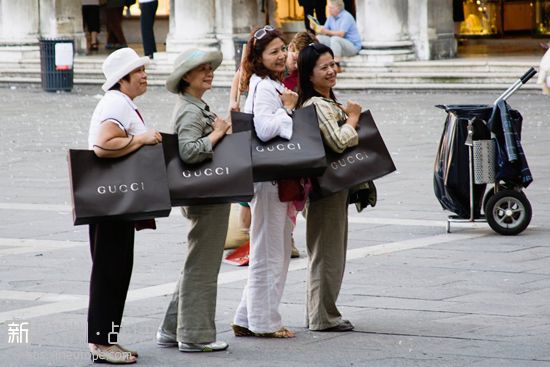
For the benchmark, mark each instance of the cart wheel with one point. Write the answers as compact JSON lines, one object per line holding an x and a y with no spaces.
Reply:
{"x":508,"y":212}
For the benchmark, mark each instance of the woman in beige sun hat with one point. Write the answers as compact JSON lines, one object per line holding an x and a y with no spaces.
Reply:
{"x":189,"y":319}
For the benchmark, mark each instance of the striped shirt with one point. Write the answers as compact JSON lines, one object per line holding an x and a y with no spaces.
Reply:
{"x":337,"y":135}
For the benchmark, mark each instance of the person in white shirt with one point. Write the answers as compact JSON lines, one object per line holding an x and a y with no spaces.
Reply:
{"x":116,"y":129}
{"x":270,"y":242}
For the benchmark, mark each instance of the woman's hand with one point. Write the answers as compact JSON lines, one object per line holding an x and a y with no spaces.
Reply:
{"x":289,"y":99}
{"x":234,"y":106}
{"x":221,"y":127}
{"x":150,"y":137}
{"x":353,"y":111}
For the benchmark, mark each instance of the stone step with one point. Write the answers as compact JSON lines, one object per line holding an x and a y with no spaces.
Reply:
{"x":444,"y":74}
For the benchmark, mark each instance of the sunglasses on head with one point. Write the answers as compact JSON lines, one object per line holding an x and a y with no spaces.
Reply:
{"x":260,"y":33}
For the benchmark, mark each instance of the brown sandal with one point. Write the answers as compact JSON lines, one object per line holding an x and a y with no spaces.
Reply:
{"x":112,"y":354}
{"x":133,"y":353}
{"x":281,"y":333}
{"x":241,"y":331}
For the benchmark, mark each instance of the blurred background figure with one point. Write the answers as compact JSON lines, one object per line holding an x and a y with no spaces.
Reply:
{"x":349,"y":5}
{"x":340,"y":32}
{"x":114,"y":12}
{"x":315,"y":8}
{"x":458,"y":16}
{"x":90,"y":19}
{"x":147,"y":19}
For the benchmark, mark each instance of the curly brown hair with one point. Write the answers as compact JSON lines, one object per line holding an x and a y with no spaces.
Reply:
{"x":252,"y":61}
{"x":302,"y":39}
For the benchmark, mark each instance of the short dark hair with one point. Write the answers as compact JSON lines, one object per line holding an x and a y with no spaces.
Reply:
{"x":307,"y":58}
{"x":117,"y":85}
{"x":182,"y":85}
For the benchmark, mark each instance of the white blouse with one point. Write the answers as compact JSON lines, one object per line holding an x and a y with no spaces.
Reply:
{"x":264,"y":101}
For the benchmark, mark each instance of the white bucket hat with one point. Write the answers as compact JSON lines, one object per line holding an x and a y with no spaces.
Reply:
{"x":187,"y":61}
{"x":120,"y":63}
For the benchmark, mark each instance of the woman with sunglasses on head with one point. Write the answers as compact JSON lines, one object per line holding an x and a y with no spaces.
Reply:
{"x":327,"y":218}
{"x":270,"y":243}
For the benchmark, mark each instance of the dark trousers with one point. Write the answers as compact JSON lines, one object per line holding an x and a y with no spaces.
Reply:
{"x":319,"y":7}
{"x":112,"y":249}
{"x":349,"y":5}
{"x":115,"y":35}
{"x":90,"y":18}
{"x":147,"y":19}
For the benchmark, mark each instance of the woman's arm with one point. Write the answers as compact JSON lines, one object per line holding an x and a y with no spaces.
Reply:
{"x":338,"y":138}
{"x":270,"y":118}
{"x":234,"y":92}
{"x":113,"y":142}
{"x":328,"y":32}
{"x":194,"y":145}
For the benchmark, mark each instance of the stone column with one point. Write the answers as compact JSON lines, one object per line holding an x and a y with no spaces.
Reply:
{"x":431,"y":28}
{"x":62,"y":18}
{"x":384,"y":30}
{"x":191,"y":25}
{"x":237,"y":29}
{"x":224,"y":27}
{"x":19,"y":24}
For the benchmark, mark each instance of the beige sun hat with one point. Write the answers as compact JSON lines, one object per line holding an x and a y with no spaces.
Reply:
{"x":120,"y":63}
{"x":187,"y":61}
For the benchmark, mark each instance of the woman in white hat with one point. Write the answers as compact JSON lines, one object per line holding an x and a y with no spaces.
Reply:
{"x":189,"y":320}
{"x":116,"y":129}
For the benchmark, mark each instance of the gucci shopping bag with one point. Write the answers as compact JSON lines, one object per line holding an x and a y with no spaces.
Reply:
{"x":133,"y":187}
{"x":224,"y":179}
{"x":301,"y":156}
{"x":366,"y":161}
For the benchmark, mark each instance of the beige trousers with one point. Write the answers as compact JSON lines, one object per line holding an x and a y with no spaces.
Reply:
{"x":327,"y":241}
{"x":192,"y":310}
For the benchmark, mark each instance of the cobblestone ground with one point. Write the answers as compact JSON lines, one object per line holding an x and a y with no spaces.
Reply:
{"x":417,"y":296}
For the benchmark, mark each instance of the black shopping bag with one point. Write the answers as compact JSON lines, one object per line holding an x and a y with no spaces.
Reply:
{"x":224,"y":179}
{"x":366,"y":161}
{"x":133,"y":187}
{"x":301,"y":156}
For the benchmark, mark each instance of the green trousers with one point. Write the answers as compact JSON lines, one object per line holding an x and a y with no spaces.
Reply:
{"x":327,"y":242}
{"x":192,"y":310}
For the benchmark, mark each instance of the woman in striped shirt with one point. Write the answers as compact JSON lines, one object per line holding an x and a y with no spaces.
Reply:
{"x":327,"y":218}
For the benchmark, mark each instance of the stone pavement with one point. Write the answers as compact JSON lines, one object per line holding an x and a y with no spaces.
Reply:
{"x":417,"y":296}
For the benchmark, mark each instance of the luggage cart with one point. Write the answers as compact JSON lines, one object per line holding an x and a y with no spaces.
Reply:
{"x":461,"y":177}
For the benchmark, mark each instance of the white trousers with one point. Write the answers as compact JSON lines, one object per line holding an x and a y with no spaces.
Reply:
{"x":270,"y":247}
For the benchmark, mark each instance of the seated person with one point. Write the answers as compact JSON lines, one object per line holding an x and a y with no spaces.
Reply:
{"x":340,"y":32}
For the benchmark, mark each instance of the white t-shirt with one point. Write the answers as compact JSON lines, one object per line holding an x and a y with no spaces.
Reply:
{"x":118,"y":108}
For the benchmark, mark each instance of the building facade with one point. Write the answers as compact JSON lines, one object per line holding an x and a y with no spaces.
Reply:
{"x":391,"y":30}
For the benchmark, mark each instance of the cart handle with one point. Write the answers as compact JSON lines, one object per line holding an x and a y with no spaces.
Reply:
{"x":521,"y":81}
{"x":528,"y":75}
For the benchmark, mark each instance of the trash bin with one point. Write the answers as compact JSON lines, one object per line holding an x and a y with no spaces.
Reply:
{"x":238,"y":43}
{"x":56,"y":63}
